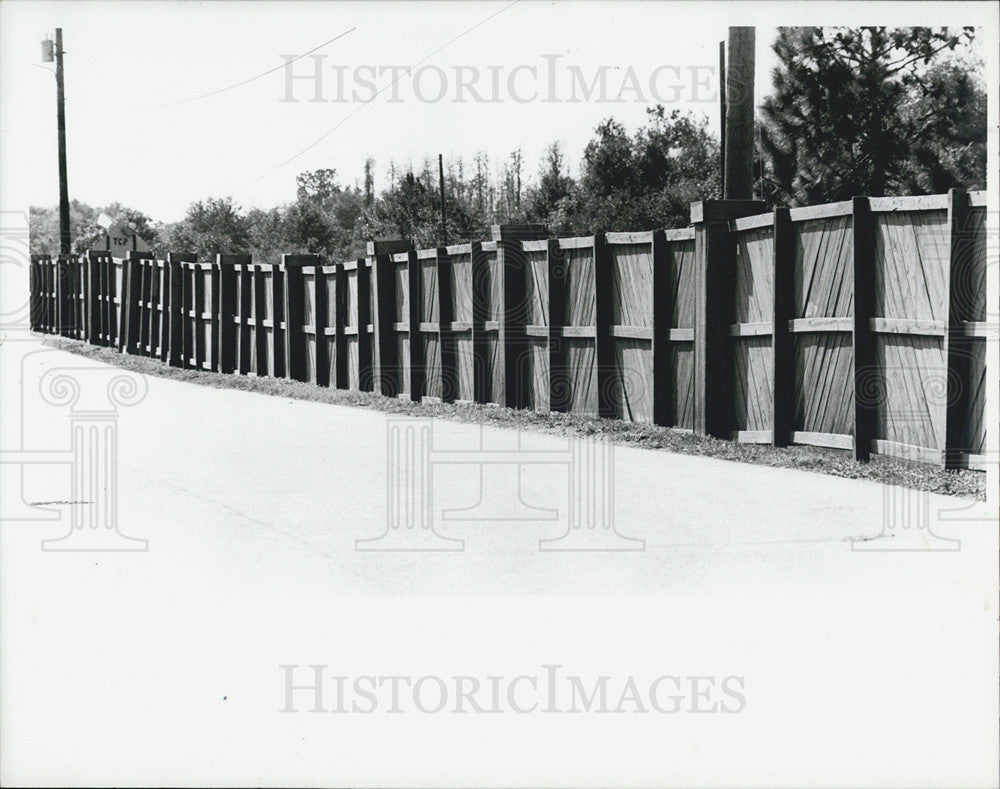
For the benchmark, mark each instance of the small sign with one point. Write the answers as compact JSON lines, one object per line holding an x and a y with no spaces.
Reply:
{"x":121,"y":239}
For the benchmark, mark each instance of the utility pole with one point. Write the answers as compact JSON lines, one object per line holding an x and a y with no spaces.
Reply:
{"x":722,"y":116}
{"x":444,"y":228}
{"x":738,"y":177}
{"x":65,"y":243}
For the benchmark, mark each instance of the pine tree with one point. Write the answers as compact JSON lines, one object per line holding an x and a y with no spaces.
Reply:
{"x":841,"y":122}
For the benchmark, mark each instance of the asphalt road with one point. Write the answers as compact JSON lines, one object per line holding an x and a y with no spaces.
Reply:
{"x":860,"y":662}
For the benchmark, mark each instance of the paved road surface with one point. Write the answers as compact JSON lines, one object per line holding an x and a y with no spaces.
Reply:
{"x":858,"y":665}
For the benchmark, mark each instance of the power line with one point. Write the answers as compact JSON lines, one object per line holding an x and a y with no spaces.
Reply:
{"x":364,"y":104}
{"x":247,"y":81}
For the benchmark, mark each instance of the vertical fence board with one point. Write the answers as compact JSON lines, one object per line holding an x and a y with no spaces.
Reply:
{"x":782,"y":344}
{"x":863,"y":234}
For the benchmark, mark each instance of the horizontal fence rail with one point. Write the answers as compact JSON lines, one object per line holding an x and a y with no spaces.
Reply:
{"x":860,"y":325}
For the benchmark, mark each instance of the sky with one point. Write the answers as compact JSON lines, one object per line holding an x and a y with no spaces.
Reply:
{"x":490,"y":76}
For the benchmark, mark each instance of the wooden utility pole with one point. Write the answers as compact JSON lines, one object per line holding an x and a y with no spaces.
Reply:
{"x":722,"y":116}
{"x":738,"y":177}
{"x":64,"y":238}
{"x":444,"y":229}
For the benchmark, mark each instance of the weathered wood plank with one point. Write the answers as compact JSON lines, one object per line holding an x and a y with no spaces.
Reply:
{"x":908,"y":326}
{"x":864,"y":302}
{"x":832,"y":440}
{"x":751,"y":329}
{"x":803,"y":325}
{"x":908,"y":203}
{"x":782,"y":344}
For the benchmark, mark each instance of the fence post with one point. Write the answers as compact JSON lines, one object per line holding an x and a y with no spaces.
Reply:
{"x":480,"y":351}
{"x":244,"y":300}
{"x":293,"y":293}
{"x":715,"y":259}
{"x":62,"y":296}
{"x":93,"y":299}
{"x":133,"y":308}
{"x":449,"y":359}
{"x":340,"y":377}
{"x":146,"y":342}
{"x":559,"y":389}
{"x":662,"y":359}
{"x":956,"y":346}
{"x":258,"y":287}
{"x":69,"y":297}
{"x":385,"y":366}
{"x":417,"y":371}
{"x":177,"y":318}
{"x":320,"y":324}
{"x":46,"y":314}
{"x":80,"y":295}
{"x":782,"y":346}
{"x":366,"y":338}
{"x":865,"y":405}
{"x":107,"y":275}
{"x":604,"y":346}
{"x":194,"y":346}
{"x":32,"y":290}
{"x":227,"y":337}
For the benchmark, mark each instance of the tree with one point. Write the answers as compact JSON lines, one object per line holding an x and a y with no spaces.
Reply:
{"x":43,"y":226}
{"x":210,"y":227}
{"x":266,"y":234}
{"x":852,"y":107}
{"x":646,"y":180}
{"x":412,"y":210}
{"x":369,"y":181}
{"x":954,"y":103}
{"x":546,"y":200}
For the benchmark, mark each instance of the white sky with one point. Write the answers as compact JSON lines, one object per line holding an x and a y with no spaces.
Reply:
{"x":124,"y":59}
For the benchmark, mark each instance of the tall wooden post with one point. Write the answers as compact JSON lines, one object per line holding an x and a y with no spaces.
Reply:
{"x":739,"y":114}
{"x":715,"y":261}
{"x":444,"y":223}
{"x":957,"y":347}
{"x":782,"y":342}
{"x":65,"y":242}
{"x":415,"y":338}
{"x":865,"y":405}
{"x":93,"y":269}
{"x":320,"y":317}
{"x":446,"y":315}
{"x":603,"y":344}
{"x":722,"y":116}
{"x":559,"y":390}
{"x":663,"y":375}
{"x":133,"y":309}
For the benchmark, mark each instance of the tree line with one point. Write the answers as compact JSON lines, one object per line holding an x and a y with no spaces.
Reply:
{"x":853,"y":111}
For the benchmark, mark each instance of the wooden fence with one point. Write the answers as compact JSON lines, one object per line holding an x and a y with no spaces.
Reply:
{"x":858,"y":325}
